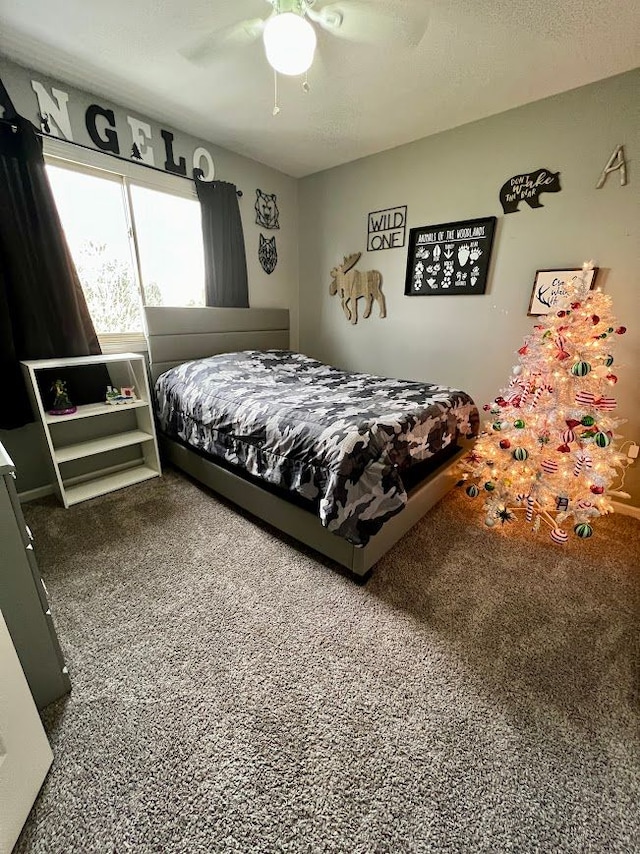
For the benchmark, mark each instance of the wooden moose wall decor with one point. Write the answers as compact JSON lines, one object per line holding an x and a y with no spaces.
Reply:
{"x":352,"y":284}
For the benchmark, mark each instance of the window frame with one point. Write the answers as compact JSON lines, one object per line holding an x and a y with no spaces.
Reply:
{"x":97,"y":164}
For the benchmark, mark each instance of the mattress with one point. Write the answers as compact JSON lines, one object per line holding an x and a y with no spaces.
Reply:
{"x":339,"y":439}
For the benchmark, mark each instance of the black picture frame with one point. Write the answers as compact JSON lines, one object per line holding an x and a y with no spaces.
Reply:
{"x":450,"y":258}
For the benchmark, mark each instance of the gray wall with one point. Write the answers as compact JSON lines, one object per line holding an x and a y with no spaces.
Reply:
{"x":280,"y":289}
{"x":470,"y":341}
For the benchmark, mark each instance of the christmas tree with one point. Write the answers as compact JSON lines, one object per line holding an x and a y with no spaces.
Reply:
{"x":549,"y":452}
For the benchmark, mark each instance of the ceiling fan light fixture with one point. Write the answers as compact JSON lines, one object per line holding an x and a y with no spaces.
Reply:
{"x":290,"y":43}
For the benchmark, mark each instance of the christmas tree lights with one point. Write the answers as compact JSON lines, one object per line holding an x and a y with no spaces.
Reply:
{"x":549,"y":452}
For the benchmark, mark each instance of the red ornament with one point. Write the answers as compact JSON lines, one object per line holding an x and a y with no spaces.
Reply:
{"x":621,"y":330}
{"x":562,"y":355}
{"x":487,"y":407}
{"x":613,"y":379}
{"x":597,"y":490}
{"x":564,"y":449}
{"x":572,"y":423}
{"x":504,"y":444}
{"x":561,"y":313}
{"x":595,"y":319}
{"x":575,"y":305}
{"x":523,"y":350}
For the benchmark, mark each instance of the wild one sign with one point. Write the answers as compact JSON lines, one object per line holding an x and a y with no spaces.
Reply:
{"x":387,"y":229}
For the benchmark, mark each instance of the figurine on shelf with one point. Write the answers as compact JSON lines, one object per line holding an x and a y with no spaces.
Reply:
{"x":61,"y":403}
{"x":117,"y":397}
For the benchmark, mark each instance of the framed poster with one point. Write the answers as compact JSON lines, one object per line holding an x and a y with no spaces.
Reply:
{"x":450,"y":258}
{"x":549,"y":286}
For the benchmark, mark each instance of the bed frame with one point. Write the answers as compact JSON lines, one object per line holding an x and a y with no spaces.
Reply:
{"x":177,"y":335}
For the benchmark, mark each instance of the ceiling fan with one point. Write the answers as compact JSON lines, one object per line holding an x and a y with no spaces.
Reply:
{"x":290,"y":38}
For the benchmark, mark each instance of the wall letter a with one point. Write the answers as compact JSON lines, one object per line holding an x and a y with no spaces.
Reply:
{"x":616,"y":161}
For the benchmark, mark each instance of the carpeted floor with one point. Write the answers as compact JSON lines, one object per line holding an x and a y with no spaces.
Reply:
{"x":233,"y":692}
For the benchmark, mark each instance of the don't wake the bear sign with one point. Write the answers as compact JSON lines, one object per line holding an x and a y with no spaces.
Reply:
{"x":451,"y":258}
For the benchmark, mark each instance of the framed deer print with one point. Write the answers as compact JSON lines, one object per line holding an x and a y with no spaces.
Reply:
{"x":450,"y":258}
{"x":550,"y":286}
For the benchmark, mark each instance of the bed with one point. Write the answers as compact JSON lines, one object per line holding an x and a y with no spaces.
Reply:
{"x":343,"y":462}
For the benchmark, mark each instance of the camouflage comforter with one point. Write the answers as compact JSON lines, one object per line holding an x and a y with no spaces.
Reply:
{"x":338,"y":438}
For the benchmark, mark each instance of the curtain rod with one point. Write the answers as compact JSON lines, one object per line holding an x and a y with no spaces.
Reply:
{"x":13,"y":124}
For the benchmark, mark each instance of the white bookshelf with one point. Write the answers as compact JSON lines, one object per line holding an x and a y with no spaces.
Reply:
{"x":88,"y":438}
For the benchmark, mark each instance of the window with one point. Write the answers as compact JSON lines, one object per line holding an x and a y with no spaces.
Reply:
{"x":132,"y":245}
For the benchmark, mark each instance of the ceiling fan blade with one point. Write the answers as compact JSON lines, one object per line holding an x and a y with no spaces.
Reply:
{"x":207,"y":47}
{"x":372,"y":23}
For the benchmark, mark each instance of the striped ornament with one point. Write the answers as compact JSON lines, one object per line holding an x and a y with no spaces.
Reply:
{"x":583,"y":530}
{"x":520,"y":454}
{"x":559,"y":536}
{"x":602,"y":440}
{"x":550,"y":466}
{"x":607,"y":404}
{"x":568,"y":436}
{"x":580,"y":369}
{"x":537,"y":395}
{"x":530,"y":505}
{"x":585,"y":398}
{"x":583,"y":461}
{"x":472,"y":490}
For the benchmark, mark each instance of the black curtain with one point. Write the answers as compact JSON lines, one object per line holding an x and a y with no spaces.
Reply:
{"x":43,"y":312}
{"x":224,"y":253}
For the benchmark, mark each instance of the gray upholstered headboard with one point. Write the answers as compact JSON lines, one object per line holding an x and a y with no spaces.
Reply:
{"x":178,"y":335}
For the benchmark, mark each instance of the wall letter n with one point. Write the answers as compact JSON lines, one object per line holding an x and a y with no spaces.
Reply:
{"x":56,"y":110}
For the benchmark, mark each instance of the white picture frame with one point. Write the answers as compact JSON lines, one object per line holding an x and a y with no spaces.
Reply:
{"x":549,"y":286}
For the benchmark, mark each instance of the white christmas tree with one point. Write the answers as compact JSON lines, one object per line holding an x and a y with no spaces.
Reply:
{"x":550,"y":452}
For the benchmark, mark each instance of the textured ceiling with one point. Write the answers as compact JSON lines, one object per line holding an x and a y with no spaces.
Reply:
{"x":476,"y":58}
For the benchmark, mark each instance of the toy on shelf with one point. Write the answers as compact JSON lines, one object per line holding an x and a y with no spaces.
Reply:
{"x":120,"y":396}
{"x":61,"y":403}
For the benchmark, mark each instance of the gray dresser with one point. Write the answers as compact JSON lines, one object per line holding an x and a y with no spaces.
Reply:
{"x":23,"y":598}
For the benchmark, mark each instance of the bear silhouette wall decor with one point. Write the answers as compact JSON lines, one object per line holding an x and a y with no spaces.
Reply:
{"x":352,"y":284}
{"x":267,"y":254}
{"x":267,"y":212}
{"x":527,"y":188}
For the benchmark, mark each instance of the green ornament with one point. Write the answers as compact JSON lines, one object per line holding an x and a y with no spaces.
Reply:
{"x":547,"y":334}
{"x":519,"y":423}
{"x":472,"y":490}
{"x":583,"y":530}
{"x":602,"y":440}
{"x":610,"y":329}
{"x":489,"y":486}
{"x":496,"y":425}
{"x":588,"y":421}
{"x":520,"y":454}
{"x":580,"y":369}
{"x":609,"y":360}
{"x":495,"y":411}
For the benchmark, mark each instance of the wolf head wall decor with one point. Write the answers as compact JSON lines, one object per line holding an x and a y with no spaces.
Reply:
{"x":352,"y":284}
{"x":267,"y":254}
{"x":267,"y":212}
{"x":528,"y":188}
